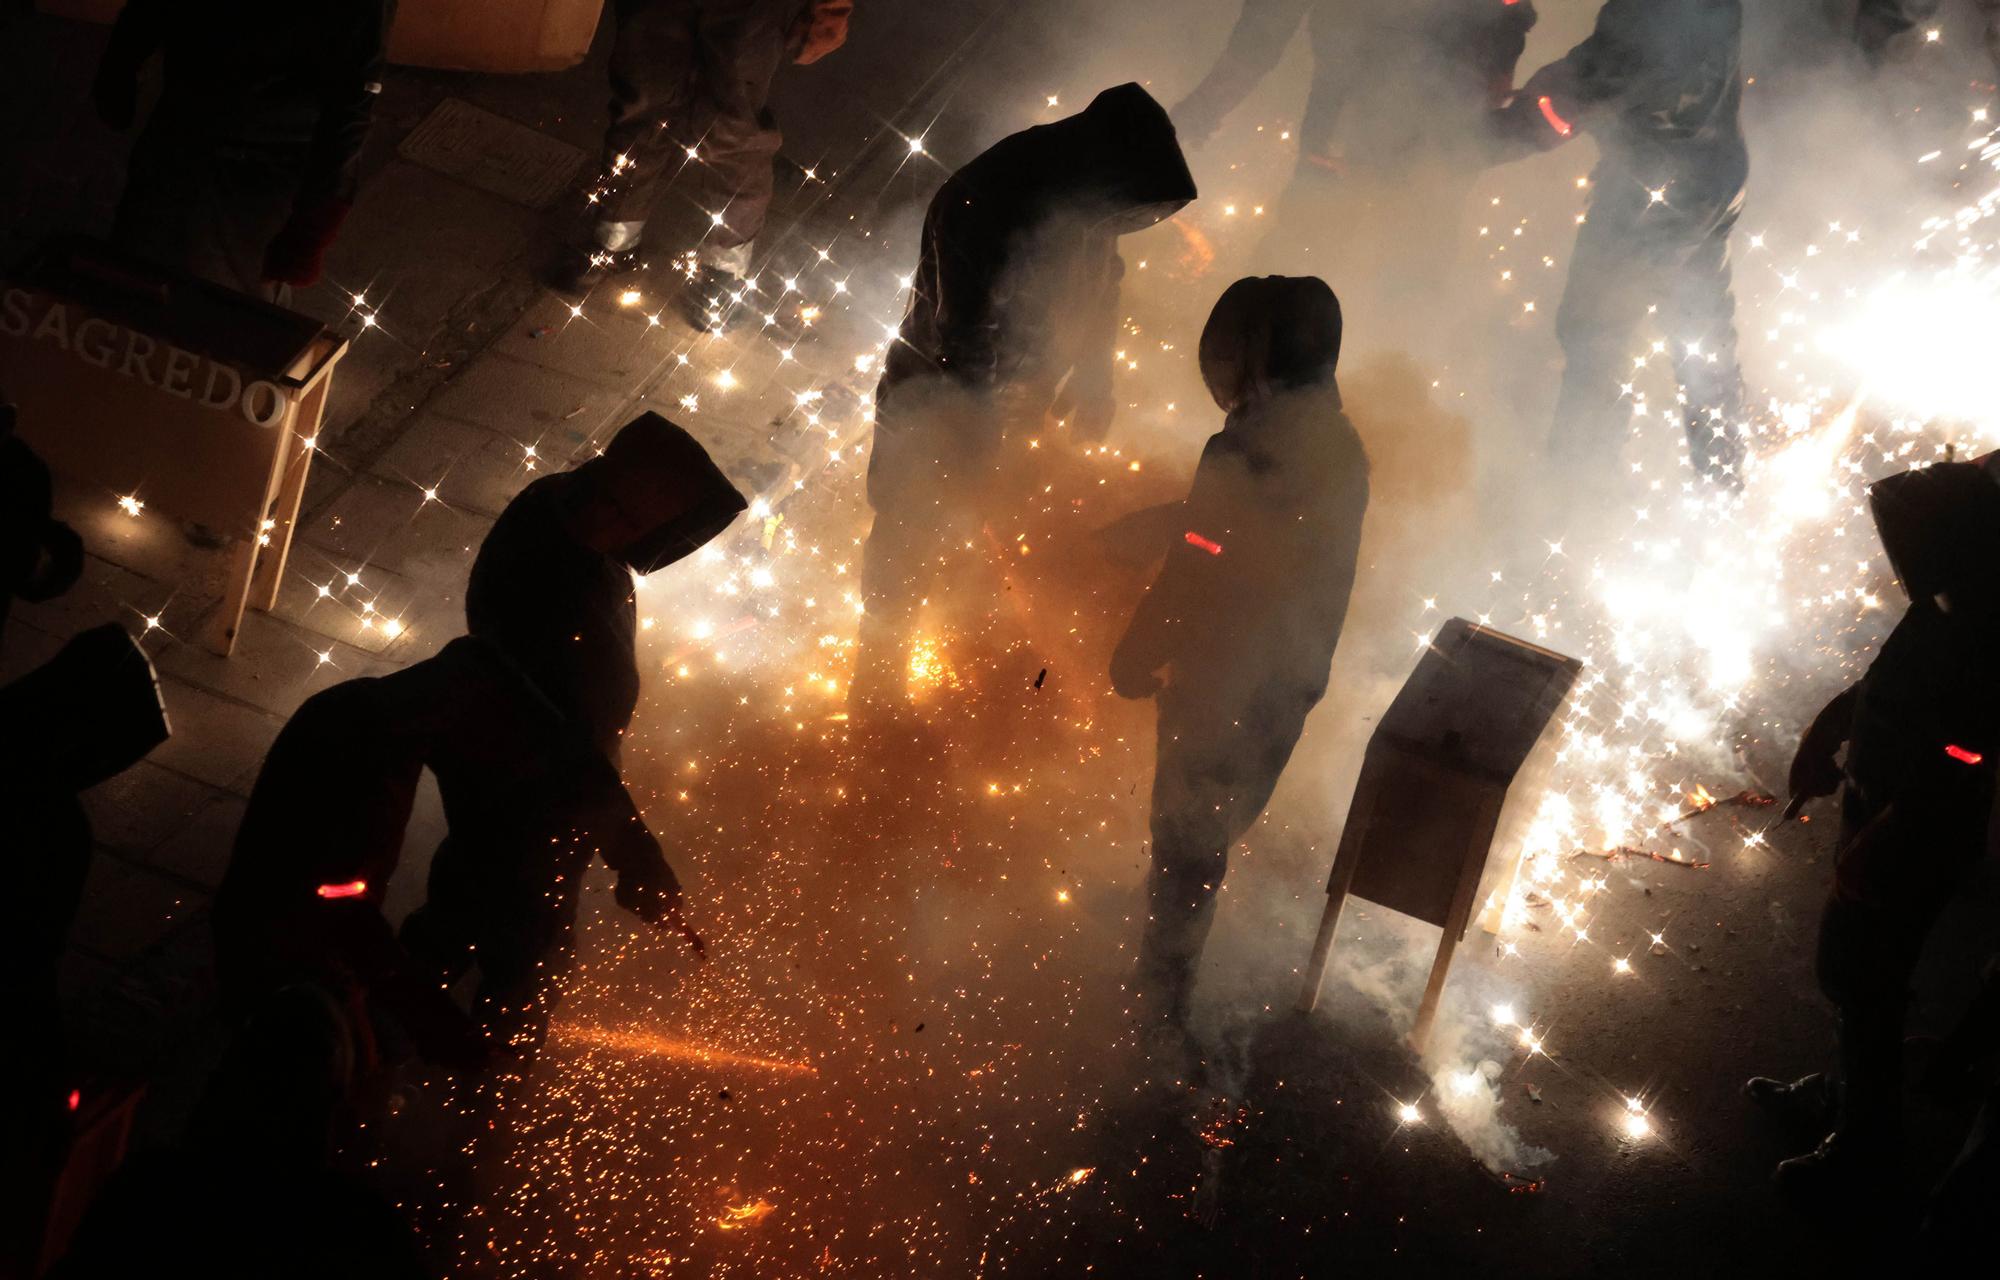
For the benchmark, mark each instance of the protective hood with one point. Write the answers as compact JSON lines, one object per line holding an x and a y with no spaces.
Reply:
{"x":1118,"y":158}
{"x":661,"y":477}
{"x":1940,"y":527}
{"x":1269,"y":334}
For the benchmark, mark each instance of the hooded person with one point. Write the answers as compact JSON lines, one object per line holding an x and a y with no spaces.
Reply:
{"x":1658,"y":85}
{"x":552,"y":585}
{"x":1245,"y":614}
{"x":323,"y":834}
{"x":1922,"y":731}
{"x":1013,"y":315}
{"x":250,"y":161}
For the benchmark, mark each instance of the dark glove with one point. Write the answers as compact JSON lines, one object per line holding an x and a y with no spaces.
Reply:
{"x":1814,"y":772}
{"x":297,"y":254}
{"x":653,"y":896}
{"x":115,"y":93}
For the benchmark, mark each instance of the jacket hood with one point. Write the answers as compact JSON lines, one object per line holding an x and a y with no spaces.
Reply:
{"x":1269,"y":334}
{"x":1118,"y":157}
{"x":1940,"y":528}
{"x":686,"y":499}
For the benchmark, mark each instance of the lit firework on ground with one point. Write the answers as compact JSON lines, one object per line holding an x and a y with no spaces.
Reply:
{"x":913,"y":1012}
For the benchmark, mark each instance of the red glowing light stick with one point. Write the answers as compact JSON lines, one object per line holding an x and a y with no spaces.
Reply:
{"x":350,"y":889}
{"x":1556,"y":122}
{"x":75,"y":1099}
{"x":1963,"y":756}
{"x":1196,"y":540}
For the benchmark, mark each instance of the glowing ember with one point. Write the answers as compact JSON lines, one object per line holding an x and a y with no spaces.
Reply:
{"x":735,"y":1217}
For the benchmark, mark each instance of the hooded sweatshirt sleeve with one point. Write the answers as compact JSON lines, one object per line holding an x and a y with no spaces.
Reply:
{"x":1184,"y":579}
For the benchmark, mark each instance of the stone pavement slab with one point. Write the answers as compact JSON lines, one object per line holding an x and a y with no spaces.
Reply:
{"x":276,"y":665}
{"x":199,"y":850}
{"x":622,"y":348}
{"x":217,"y":740}
{"x":470,"y":467}
{"x":127,"y":908}
{"x":556,"y":413}
{"x":134,"y":811}
{"x":385,"y":524}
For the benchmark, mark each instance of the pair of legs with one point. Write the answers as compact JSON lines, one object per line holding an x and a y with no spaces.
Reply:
{"x":1651,"y":245}
{"x":207,"y":208}
{"x":694,"y":75}
{"x":1215,"y":770}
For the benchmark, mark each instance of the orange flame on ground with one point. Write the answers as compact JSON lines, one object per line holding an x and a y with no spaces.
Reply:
{"x":659,"y":1046}
{"x":735,"y":1217}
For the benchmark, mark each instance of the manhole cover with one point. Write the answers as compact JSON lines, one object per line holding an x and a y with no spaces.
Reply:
{"x":493,"y":153}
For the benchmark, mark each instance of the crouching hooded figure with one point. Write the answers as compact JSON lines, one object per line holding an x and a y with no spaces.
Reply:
{"x":1245,"y":614}
{"x":1922,"y":731}
{"x":301,"y":903}
{"x":1013,"y":316}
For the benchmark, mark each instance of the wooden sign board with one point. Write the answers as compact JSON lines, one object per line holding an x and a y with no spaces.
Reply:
{"x":1433,"y":783}
{"x":189,"y":397}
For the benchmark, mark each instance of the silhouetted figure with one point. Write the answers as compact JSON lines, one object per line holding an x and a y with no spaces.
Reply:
{"x":249,"y":1190}
{"x":1922,"y":730}
{"x":552,"y":589}
{"x":251,"y":158}
{"x":1245,"y":614}
{"x":85,"y":715}
{"x":1878,"y":23}
{"x":1658,"y":86}
{"x":1013,"y":315}
{"x":690,"y":80}
{"x":1394,"y":81}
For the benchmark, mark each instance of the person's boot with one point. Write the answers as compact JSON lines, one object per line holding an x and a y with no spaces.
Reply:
{"x":582,"y":270}
{"x":1806,"y":1105}
{"x":717,"y":300}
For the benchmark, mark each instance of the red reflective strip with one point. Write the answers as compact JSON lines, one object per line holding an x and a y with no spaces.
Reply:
{"x":1196,"y":540}
{"x":75,"y":1099}
{"x":351,"y":889}
{"x":1556,"y":122}
{"x":1963,"y":756}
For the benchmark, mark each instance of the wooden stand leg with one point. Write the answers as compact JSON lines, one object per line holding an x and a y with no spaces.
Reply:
{"x":1434,"y":990}
{"x":219,"y":634}
{"x":1456,"y":920}
{"x":284,"y":514}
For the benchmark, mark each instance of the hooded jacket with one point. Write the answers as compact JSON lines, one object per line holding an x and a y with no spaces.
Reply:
{"x":563,"y":610}
{"x":1658,"y":83}
{"x":1024,"y":239}
{"x":1250,"y":604}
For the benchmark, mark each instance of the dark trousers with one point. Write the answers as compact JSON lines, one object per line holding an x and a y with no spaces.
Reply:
{"x":1215,"y":770}
{"x":696,"y":74}
{"x":205,"y":208}
{"x":1870,"y":941}
{"x":512,"y":914}
{"x":1634,"y":253}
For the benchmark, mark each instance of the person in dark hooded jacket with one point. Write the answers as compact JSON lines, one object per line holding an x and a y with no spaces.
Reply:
{"x":1922,"y":731}
{"x":1013,"y":315}
{"x":250,"y":161}
{"x":552,"y":588}
{"x":323,"y":834}
{"x":1658,"y":85}
{"x":1245,"y":614}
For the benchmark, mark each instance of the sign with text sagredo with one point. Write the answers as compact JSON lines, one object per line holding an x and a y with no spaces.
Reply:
{"x":198,"y":399}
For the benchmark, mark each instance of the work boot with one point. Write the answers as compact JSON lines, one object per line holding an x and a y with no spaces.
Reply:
{"x":1805,"y":1106}
{"x":717,"y":300}
{"x":584,"y":269}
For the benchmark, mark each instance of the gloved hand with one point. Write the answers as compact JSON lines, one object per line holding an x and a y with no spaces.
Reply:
{"x":1130,"y":678}
{"x":1195,"y":122}
{"x":297,"y":254}
{"x":821,"y":29}
{"x":1814,"y":771}
{"x":115,"y":92}
{"x":654,"y":897}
